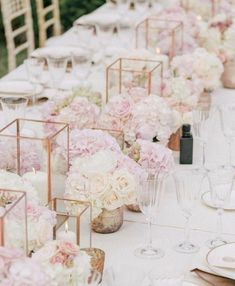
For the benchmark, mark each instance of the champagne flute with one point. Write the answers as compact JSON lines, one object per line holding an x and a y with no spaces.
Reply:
{"x":187,"y":196}
{"x":149,"y":194}
{"x":227,"y":115}
{"x":221,"y":182}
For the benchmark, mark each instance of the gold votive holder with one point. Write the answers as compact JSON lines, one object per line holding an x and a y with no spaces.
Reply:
{"x":97,"y":259}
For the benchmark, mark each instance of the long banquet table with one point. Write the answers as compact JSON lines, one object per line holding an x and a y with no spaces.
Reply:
{"x":168,"y":229}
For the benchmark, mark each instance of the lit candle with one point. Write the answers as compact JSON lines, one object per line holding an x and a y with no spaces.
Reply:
{"x":162,"y":58}
{"x":199,"y":18}
{"x":39,"y":181}
{"x":67,"y":235}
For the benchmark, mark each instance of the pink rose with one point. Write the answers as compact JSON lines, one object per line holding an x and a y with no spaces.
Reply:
{"x":68,"y":248}
{"x":59,"y":258}
{"x":33,"y":210}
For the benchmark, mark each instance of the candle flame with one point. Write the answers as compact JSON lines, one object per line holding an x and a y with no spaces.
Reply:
{"x":158,"y":50}
{"x":66,"y":227}
{"x":34,"y":171}
{"x":199,"y":17}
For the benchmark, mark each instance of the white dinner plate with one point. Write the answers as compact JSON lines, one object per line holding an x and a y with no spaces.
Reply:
{"x":189,"y":284}
{"x":57,"y":51}
{"x":206,"y":198}
{"x":18,"y":87}
{"x":223,"y":252}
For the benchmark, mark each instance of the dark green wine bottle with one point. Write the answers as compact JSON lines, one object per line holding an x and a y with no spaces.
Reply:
{"x":186,"y":145}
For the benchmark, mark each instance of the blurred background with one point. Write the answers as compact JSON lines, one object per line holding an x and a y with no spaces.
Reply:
{"x":70,"y":10}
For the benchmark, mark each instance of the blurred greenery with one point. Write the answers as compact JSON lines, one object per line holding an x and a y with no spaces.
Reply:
{"x":70,"y":10}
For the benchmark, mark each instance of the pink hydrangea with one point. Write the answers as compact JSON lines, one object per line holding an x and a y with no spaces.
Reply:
{"x":16,"y":269}
{"x":86,"y":142}
{"x":154,"y":157}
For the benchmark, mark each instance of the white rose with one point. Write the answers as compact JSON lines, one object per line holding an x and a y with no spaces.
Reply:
{"x":104,"y":161}
{"x":124,"y":186}
{"x":99,"y":184}
{"x":111,"y":201}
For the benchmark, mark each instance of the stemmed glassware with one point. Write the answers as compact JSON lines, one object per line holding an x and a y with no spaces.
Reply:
{"x":57,"y":69}
{"x":221,"y":182}
{"x":149,"y":195}
{"x":187,"y":197}
{"x":200,"y":120}
{"x":227,"y":115}
{"x":85,"y":33}
{"x":13,"y":107}
{"x":81,"y":65}
{"x":34,"y":67}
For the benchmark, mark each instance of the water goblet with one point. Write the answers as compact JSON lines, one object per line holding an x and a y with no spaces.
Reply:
{"x":221,"y":182}
{"x":13,"y":107}
{"x":106,"y":32}
{"x":81,"y":61}
{"x":34,"y":68}
{"x":187,"y":196}
{"x":85,"y":33}
{"x":227,"y":115}
{"x":149,"y":194}
{"x":57,"y":69}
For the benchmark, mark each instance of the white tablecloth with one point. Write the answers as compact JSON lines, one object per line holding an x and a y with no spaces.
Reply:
{"x":119,"y":246}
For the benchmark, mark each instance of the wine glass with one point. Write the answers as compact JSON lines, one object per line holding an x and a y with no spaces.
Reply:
{"x":221,"y":182}
{"x":85,"y":33}
{"x":200,"y":133}
{"x":81,"y":61}
{"x":149,"y":194}
{"x":34,"y":68}
{"x":227,"y":115}
{"x":106,"y":32}
{"x":57,"y":69}
{"x":187,"y":195}
{"x":13,"y":107}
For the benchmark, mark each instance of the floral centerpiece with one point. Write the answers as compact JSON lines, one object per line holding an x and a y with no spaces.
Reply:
{"x":29,"y":156}
{"x":16,"y":269}
{"x":152,"y":157}
{"x":64,"y":263}
{"x":40,"y":219}
{"x":78,"y":112}
{"x":151,"y":118}
{"x":108,"y":180}
{"x":205,"y":66}
{"x":86,"y":142}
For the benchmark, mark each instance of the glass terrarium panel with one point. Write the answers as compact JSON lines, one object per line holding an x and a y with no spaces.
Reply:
{"x":160,"y":36}
{"x":73,"y":221}
{"x":31,"y":147}
{"x":13,"y":219}
{"x":126,"y":74}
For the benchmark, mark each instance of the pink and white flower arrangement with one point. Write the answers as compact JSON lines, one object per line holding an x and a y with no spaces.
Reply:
{"x":200,"y":65}
{"x":181,"y":92}
{"x":152,"y":157}
{"x":86,"y":142}
{"x":40,"y":219}
{"x":151,"y":117}
{"x":16,"y":269}
{"x":117,"y":112}
{"x":78,"y":113}
{"x":29,"y":156}
{"x":64,"y":263}
{"x":105,"y":179}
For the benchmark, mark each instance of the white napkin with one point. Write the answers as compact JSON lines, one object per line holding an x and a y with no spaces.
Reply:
{"x":16,"y":87}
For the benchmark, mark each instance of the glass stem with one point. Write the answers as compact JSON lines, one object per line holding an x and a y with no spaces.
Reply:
{"x":149,"y":241}
{"x":203,"y":155}
{"x":219,"y":224}
{"x":187,"y":230}
{"x":229,"y":152}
